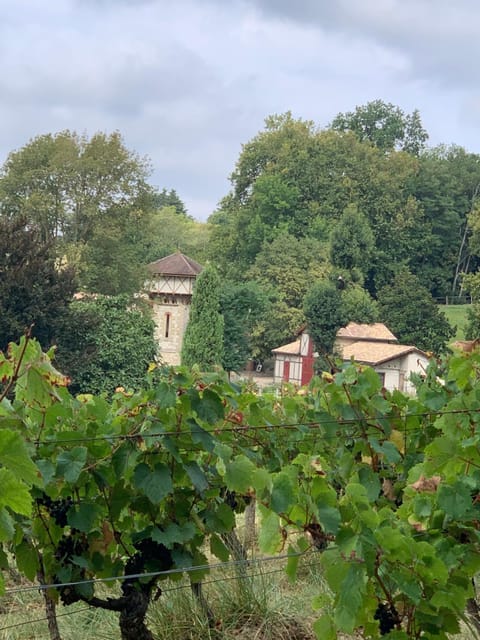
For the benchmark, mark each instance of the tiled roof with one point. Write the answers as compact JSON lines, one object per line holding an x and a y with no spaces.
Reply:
{"x":375,"y":331}
{"x":375,"y":353}
{"x":293,"y":348}
{"x":176,"y":264}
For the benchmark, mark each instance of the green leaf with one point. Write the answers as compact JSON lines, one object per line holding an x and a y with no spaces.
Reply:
{"x":27,"y":559}
{"x":422,"y":506}
{"x":155,"y":483}
{"x":200,"y":436}
{"x":218,"y":548}
{"x":196,"y":475}
{"x":83,"y":516}
{"x":387,"y":449}
{"x":174,"y":533}
{"x":47,"y":469}
{"x":261,"y":480}
{"x":7,"y":529}
{"x":219,"y":520}
{"x":283,"y":495}
{"x":324,"y":628}
{"x":14,"y":494}
{"x":71,"y":463}
{"x":330,"y":518}
{"x":371,"y":482}
{"x":454,"y":499}
{"x":350,"y":599}
{"x":209,"y":406}
{"x":292,"y":564}
{"x":238,"y":474}
{"x":270,"y":539}
{"x":14,"y":456}
{"x":120,"y":459}
{"x":165,"y":395}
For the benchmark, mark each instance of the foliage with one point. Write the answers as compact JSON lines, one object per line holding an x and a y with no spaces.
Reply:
{"x":384,"y":125}
{"x":352,"y":242}
{"x":106,"y":343}
{"x":203,"y":338}
{"x":243,"y":307}
{"x":382,"y":486}
{"x":284,"y":269}
{"x":325,"y":314}
{"x":446,"y":186}
{"x":359,"y":306}
{"x":28,"y":371}
{"x":89,"y":196}
{"x":411,"y":313}
{"x":166,"y":199}
{"x":168,"y":232}
{"x":33,"y":288}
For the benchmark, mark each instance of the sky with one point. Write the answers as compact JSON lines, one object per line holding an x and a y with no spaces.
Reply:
{"x":187,"y":82}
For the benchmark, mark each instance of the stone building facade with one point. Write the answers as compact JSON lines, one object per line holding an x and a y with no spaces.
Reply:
{"x":170,"y":288}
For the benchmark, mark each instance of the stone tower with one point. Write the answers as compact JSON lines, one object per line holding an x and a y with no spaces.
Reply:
{"x":170,"y":288}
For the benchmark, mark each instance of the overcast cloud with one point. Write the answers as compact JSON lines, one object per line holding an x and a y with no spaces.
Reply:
{"x":187,"y":82}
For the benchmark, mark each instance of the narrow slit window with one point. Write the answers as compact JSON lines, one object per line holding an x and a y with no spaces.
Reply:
{"x":167,"y":324}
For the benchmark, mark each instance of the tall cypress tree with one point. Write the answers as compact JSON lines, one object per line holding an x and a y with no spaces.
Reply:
{"x":203,"y":339}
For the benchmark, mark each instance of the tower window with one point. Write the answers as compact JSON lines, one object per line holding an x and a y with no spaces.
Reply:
{"x":167,"y":324}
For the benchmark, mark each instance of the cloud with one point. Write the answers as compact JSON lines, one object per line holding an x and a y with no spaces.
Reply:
{"x":187,"y":82}
{"x":438,"y":38}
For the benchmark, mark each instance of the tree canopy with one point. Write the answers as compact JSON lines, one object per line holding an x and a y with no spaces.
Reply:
{"x":105,"y":343}
{"x":384,"y":125}
{"x":34,"y":288}
{"x":411,"y":313}
{"x":90,"y":197}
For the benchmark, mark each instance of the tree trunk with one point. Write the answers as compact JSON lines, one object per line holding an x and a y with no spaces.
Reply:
{"x":132,"y":617}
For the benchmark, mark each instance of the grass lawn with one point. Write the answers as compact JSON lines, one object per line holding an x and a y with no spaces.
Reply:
{"x":457,"y":316}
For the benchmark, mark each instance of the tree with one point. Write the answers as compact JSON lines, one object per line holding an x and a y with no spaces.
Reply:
{"x":411,"y":313}
{"x":170,"y":198}
{"x":384,"y":125}
{"x":170,"y":232}
{"x":90,"y":196}
{"x":352,"y":242}
{"x":34,"y":288}
{"x":284,"y":269}
{"x":243,"y":306}
{"x":112,"y":345}
{"x":203,"y":339}
{"x":359,"y":306}
{"x":325,"y":314}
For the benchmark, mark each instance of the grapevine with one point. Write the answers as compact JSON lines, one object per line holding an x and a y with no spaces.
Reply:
{"x":383,"y":485}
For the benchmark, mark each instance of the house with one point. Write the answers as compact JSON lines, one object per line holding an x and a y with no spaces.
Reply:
{"x":394,"y":363}
{"x":294,"y":361}
{"x":169,"y":288}
{"x":371,"y":344}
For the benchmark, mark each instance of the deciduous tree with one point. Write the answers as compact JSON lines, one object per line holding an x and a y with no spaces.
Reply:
{"x":105,"y":343}
{"x":34,"y":287}
{"x":411,"y":313}
{"x":384,"y":125}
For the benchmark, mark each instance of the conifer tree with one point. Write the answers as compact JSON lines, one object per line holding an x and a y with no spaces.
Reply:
{"x":203,"y":339}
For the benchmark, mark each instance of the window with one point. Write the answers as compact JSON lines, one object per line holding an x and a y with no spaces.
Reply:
{"x":167,"y":324}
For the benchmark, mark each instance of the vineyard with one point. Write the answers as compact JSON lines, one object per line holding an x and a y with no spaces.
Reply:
{"x":109,"y":502}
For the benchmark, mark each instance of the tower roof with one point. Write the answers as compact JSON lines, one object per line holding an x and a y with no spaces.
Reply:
{"x":176,"y":264}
